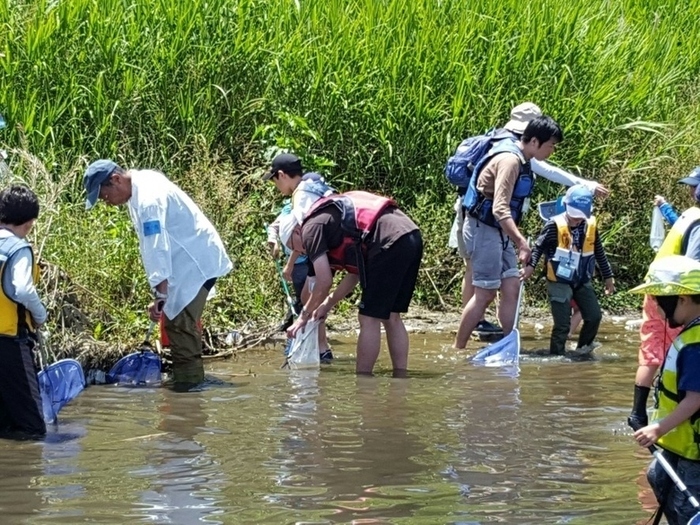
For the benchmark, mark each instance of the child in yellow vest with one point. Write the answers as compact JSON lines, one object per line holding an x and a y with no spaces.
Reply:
{"x":21,"y":313}
{"x":571,"y":247}
{"x":674,"y":284}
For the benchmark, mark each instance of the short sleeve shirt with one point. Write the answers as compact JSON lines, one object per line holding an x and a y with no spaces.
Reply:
{"x":322,"y":231}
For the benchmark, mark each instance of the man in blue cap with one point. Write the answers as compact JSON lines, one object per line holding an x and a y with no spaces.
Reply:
{"x":571,"y":245}
{"x":181,"y":251}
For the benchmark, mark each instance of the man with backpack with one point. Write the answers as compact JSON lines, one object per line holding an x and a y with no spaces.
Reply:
{"x":460,"y":168}
{"x":495,"y":203}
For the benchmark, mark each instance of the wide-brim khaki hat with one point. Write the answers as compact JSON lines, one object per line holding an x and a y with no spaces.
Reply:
{"x":521,"y":115}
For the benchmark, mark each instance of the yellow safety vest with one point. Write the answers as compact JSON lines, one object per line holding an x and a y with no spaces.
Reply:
{"x":586,"y":264}
{"x":683,"y":440}
{"x":13,"y":316}
{"x":673,"y":243}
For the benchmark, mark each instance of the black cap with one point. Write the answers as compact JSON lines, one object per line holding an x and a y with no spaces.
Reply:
{"x":285,"y":162}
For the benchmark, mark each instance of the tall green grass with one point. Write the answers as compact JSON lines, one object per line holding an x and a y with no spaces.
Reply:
{"x":378,"y":92}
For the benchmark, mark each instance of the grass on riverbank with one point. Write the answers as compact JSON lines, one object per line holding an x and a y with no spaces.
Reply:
{"x":374,"y":93}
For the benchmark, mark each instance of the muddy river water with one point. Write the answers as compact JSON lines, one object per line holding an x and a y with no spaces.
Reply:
{"x":452,"y":444}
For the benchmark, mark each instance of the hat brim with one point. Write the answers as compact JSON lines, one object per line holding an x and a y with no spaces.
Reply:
{"x":93,"y":195}
{"x":268,"y":174}
{"x":690,"y":181}
{"x":575,"y":213}
{"x":663,"y":289}
{"x":516,"y":126}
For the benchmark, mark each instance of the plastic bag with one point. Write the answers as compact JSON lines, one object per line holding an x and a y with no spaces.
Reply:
{"x":657,"y":233}
{"x":304,"y":352}
{"x":457,"y":223}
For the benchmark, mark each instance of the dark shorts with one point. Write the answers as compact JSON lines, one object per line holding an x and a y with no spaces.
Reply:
{"x":21,"y":414}
{"x":391,"y":277}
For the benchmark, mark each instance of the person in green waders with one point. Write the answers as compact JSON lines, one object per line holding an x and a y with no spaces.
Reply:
{"x":673,"y":284}
{"x":181,"y":252}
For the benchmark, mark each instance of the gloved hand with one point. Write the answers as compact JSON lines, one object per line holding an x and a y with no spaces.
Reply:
{"x":637,"y":421}
{"x":638,"y":418}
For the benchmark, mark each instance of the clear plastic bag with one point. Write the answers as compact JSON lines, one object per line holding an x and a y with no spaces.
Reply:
{"x":304,"y":352}
{"x":657,"y":233}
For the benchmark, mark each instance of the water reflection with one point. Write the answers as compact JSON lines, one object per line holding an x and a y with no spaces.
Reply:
{"x":353,"y":461}
{"x":35,"y":474}
{"x":184,"y":481}
{"x":453,"y":443}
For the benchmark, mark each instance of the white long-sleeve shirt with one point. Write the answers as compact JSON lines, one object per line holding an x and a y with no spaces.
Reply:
{"x":558,"y":175}
{"x":18,"y":282}
{"x":178,"y":244}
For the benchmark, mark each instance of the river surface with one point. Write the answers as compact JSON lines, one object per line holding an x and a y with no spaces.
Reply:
{"x":452,"y":444}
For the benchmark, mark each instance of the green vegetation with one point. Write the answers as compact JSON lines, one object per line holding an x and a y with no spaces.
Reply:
{"x":377,"y":93}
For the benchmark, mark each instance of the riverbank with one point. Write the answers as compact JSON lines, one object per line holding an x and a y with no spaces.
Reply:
{"x":221,"y":344}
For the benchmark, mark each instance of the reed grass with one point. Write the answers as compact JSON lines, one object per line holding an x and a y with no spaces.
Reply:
{"x":376,"y":92}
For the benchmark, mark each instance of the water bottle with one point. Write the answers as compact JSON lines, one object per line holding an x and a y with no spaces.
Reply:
{"x":233,"y":338}
{"x":96,"y":377}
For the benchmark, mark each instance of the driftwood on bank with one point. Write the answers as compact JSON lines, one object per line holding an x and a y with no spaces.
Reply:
{"x":72,"y":332}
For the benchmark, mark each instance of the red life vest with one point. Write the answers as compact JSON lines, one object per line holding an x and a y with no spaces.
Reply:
{"x":359,"y":211}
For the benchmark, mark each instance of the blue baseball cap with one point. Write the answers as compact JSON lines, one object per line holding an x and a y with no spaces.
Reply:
{"x":579,"y":202}
{"x":693,"y":179}
{"x":95,"y":175}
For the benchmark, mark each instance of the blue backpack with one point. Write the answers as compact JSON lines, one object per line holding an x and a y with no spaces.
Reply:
{"x":460,"y":166}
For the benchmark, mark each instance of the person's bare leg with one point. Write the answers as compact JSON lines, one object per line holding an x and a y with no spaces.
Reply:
{"x":645,"y":375}
{"x":322,"y":337}
{"x":397,"y":340}
{"x":368,"y":344}
{"x":467,"y":286}
{"x":472,"y":314}
{"x":510,"y":288}
{"x":576,"y":319}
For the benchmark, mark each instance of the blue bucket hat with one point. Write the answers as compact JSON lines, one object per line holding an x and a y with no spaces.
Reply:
{"x":95,"y":175}
{"x":579,"y":201}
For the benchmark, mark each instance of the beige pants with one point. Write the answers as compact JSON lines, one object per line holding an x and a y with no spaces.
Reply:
{"x":186,"y":341}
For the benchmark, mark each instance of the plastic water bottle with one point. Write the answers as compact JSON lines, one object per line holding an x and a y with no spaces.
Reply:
{"x":233,"y":338}
{"x":96,"y":377}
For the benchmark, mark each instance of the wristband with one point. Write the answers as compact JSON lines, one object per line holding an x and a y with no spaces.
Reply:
{"x":305,"y":313}
{"x":160,"y":295}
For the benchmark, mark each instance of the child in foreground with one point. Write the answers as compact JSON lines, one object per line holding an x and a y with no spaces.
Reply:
{"x":674,"y":284}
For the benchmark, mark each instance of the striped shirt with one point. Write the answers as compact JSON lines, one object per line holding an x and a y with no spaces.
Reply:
{"x":546,"y":244}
